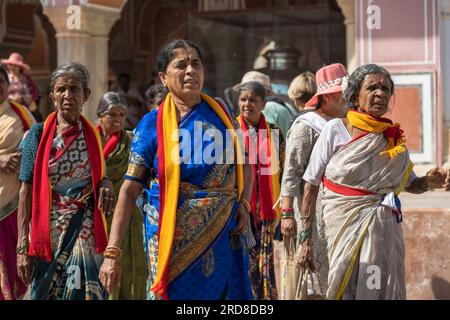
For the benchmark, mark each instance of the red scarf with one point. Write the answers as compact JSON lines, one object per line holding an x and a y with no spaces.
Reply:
{"x":267,"y":194}
{"x":40,"y":245}
{"x":112,"y":143}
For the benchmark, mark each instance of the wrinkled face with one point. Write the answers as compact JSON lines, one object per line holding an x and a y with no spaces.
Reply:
{"x":251,"y":106}
{"x":184,"y":75}
{"x":68,"y":97}
{"x":334,"y":105}
{"x":113,"y":120}
{"x":374,"y":95}
{"x":4,"y":86}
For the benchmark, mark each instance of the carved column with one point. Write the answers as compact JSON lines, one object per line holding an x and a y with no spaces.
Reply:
{"x":86,"y":42}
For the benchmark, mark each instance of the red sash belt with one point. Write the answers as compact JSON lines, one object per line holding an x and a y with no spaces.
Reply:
{"x":66,"y":202}
{"x":344,"y":190}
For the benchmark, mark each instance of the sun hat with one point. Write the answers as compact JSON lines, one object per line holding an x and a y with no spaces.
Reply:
{"x":17,"y":60}
{"x":255,"y":76}
{"x":329,"y":79}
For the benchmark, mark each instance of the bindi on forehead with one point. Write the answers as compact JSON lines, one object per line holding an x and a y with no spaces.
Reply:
{"x":186,"y":53}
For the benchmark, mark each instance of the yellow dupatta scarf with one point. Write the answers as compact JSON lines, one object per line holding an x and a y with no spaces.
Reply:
{"x":394,"y":135}
{"x":392,"y":132}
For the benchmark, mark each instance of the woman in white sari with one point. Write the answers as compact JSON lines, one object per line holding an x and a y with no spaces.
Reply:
{"x":364,"y":165}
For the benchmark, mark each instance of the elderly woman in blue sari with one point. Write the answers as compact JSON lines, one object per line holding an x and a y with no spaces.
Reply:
{"x":196,"y":204}
{"x":64,"y":194}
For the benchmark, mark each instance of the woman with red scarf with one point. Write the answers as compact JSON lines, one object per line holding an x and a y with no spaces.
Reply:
{"x":64,"y":197}
{"x":265,"y":145}
{"x":112,"y":112}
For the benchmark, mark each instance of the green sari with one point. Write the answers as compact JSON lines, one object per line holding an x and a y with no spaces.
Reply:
{"x":134,"y":269}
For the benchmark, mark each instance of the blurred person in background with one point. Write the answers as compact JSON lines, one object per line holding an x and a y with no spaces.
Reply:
{"x":22,"y":88}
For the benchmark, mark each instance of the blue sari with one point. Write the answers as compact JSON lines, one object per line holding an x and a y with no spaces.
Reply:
{"x":206,"y":262}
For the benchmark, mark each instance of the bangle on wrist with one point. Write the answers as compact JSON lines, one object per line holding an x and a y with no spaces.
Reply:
{"x":23,"y":249}
{"x":287,"y":209}
{"x":305,"y":234}
{"x":112,"y":252}
{"x":286,"y":215}
{"x":306,"y":217}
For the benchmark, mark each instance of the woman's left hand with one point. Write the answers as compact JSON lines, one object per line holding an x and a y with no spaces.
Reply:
{"x":242,"y":221}
{"x":107,"y":197}
{"x":305,"y":259}
{"x":438,"y":178}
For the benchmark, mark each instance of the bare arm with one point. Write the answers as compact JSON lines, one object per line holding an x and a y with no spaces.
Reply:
{"x":435,"y":178}
{"x":24,"y":266}
{"x":129,"y":192}
{"x":309,"y":203}
{"x":418,"y":186}
{"x":243,"y":214}
{"x":308,"y":213}
{"x":24,"y":213}
{"x":110,"y":271}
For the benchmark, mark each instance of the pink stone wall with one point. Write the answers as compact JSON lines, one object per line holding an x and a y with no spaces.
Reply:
{"x":406,"y":43}
{"x":427,"y":241}
{"x":407,"y":111}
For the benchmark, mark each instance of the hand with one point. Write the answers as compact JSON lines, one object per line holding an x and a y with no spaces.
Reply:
{"x":438,"y":178}
{"x":110,"y":274}
{"x":25,"y":268}
{"x":242,"y":221}
{"x":107,"y":197}
{"x":305,"y":259}
{"x":289,"y":227}
{"x":10,"y":163}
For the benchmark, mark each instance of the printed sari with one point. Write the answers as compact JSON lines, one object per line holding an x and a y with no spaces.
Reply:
{"x":134,"y":271}
{"x":15,"y":120}
{"x":205,"y":261}
{"x":74,"y":165}
{"x":365,"y":241}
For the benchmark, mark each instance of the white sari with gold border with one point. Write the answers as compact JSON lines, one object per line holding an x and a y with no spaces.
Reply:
{"x":365,"y":243}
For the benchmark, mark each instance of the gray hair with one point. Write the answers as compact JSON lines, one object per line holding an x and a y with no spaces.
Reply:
{"x":353,"y":87}
{"x":255,"y":87}
{"x":108,"y":100}
{"x":72,"y":69}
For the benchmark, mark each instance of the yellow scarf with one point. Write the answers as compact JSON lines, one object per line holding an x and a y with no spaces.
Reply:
{"x":394,"y":135}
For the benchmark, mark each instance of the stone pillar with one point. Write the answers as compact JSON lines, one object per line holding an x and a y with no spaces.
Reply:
{"x":86,"y":43}
{"x":348,"y":10}
{"x":445,"y":63}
